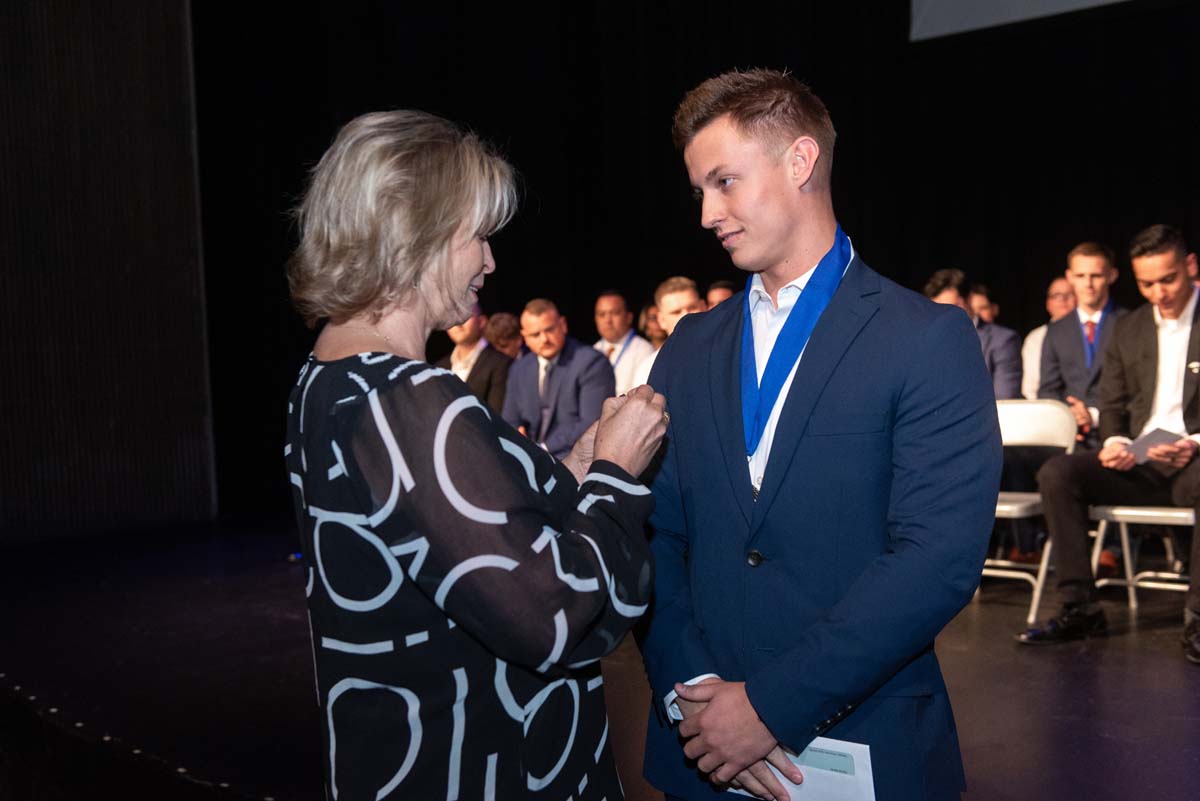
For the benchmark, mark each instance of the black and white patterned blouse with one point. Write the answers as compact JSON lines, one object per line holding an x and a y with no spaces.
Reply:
{"x":461,"y":589}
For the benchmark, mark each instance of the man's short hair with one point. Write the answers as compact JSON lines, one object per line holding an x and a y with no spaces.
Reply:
{"x":982,"y":289}
{"x":676,"y":283}
{"x":502,"y":327}
{"x":539,"y":306}
{"x":1157,"y":239}
{"x":950,"y":278}
{"x":770,"y":106}
{"x":1093,"y":249}
{"x":613,"y":293}
{"x":722,"y":284}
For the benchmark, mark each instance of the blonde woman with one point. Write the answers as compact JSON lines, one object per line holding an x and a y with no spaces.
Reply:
{"x":462,"y":584}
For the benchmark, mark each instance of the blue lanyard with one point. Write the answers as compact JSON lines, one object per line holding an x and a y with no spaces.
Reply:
{"x":758,"y":400}
{"x":624,"y":347}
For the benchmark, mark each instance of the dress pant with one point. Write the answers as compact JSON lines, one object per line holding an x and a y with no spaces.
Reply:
{"x":1072,"y":482}
{"x":628,"y":697}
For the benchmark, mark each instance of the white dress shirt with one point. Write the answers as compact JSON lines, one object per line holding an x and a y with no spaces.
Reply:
{"x":1031,"y":361}
{"x":767,"y":320}
{"x":626,"y":357}
{"x":463,"y":367}
{"x":1167,"y":411}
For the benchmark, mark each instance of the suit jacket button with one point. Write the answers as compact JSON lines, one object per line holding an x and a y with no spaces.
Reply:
{"x":754,"y":559}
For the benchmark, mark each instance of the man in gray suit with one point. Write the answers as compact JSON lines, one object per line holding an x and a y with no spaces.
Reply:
{"x":1001,"y":346}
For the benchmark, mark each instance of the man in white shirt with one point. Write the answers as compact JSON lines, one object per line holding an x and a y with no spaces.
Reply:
{"x":1060,"y":301}
{"x":675,"y":298}
{"x":618,"y":342}
{"x":1138,"y":394}
{"x":476,"y":363}
{"x":825,"y":498}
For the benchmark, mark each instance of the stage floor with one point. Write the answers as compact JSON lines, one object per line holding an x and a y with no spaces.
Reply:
{"x":172,"y":650}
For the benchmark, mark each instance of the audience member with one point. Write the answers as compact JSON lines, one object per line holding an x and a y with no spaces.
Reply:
{"x":555,"y":391}
{"x":1001,"y":348}
{"x":980,"y":303}
{"x":478,"y":365}
{"x":503,"y":333}
{"x":1073,"y":353}
{"x":1060,"y":301}
{"x":719,"y":292}
{"x":619,"y":343}
{"x":675,"y":298}
{"x":1149,"y":382}
{"x":649,"y":328}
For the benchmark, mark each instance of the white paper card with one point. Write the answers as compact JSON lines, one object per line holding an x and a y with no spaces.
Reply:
{"x":1159,"y":436}
{"x":834,"y":770}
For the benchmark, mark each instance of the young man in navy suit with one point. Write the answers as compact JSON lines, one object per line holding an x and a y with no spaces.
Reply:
{"x":824,"y":503}
{"x":1073,"y":351}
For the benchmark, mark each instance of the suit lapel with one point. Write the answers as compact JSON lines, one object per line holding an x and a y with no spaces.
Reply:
{"x":724,"y":372}
{"x":854,"y":303}
{"x":1190,"y":377}
{"x":1102,"y":336}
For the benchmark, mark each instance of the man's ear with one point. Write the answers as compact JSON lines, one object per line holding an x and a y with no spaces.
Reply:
{"x":802,"y":157}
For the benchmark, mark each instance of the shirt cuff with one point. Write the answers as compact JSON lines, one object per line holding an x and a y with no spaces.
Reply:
{"x":1095,"y":414}
{"x":673,"y":712}
{"x":1115,"y":440}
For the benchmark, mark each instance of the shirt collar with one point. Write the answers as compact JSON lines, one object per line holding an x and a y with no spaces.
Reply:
{"x":543,"y":361}
{"x":789,"y":291}
{"x":1084,"y":317}
{"x":1185,"y":319}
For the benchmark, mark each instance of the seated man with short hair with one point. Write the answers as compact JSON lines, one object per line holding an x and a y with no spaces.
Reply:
{"x":1150,"y":382}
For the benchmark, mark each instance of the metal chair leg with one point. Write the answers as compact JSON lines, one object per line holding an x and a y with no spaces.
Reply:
{"x":1098,"y":545}
{"x":1127,"y":554}
{"x":1040,"y":584}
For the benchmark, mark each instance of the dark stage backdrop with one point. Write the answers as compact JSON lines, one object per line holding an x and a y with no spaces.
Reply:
{"x":104,"y":402}
{"x":993,"y":151}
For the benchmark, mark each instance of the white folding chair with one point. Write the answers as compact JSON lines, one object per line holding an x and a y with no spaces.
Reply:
{"x":1033,"y":423}
{"x":1123,"y":516}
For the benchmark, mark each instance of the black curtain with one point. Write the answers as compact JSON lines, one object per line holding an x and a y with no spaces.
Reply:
{"x":993,"y":151}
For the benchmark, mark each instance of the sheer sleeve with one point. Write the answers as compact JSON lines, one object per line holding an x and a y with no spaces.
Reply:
{"x":539,"y":571}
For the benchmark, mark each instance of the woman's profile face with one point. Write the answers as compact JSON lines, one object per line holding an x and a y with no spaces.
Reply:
{"x":470,"y":260}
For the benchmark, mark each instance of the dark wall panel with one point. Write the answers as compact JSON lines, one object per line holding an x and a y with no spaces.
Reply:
{"x":103,"y":366}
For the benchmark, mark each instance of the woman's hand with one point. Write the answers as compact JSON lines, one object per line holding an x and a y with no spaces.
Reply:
{"x":579,"y":460}
{"x":631,"y":428}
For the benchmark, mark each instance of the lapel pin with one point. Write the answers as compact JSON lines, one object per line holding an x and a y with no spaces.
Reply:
{"x":1194,"y":367}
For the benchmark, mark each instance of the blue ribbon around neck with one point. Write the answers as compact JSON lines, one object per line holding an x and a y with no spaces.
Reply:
{"x":758,"y":400}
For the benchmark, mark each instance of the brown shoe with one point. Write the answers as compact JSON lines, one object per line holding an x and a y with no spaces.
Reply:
{"x":1108,"y":566}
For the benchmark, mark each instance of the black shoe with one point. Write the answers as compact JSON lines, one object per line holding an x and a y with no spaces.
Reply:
{"x":1071,"y":623}
{"x":1191,"y":642}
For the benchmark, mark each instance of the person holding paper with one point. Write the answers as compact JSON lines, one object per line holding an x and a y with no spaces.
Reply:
{"x":824,"y":502}
{"x":1150,"y":382}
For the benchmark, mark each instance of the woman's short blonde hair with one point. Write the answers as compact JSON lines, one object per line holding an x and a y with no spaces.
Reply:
{"x":380,"y":215}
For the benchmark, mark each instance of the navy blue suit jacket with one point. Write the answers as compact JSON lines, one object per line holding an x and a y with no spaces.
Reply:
{"x":872,"y":524}
{"x":576,"y":389}
{"x":1002,"y":355}
{"x":1064,"y":368}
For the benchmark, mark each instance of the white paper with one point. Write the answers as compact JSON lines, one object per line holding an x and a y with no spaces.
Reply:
{"x":1159,"y":436}
{"x":834,"y":770}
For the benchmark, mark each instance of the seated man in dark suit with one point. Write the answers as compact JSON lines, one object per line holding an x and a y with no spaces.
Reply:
{"x":1073,"y":351}
{"x":1001,"y":346}
{"x":555,"y":391}
{"x":477,"y":364}
{"x":1150,"y":381}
